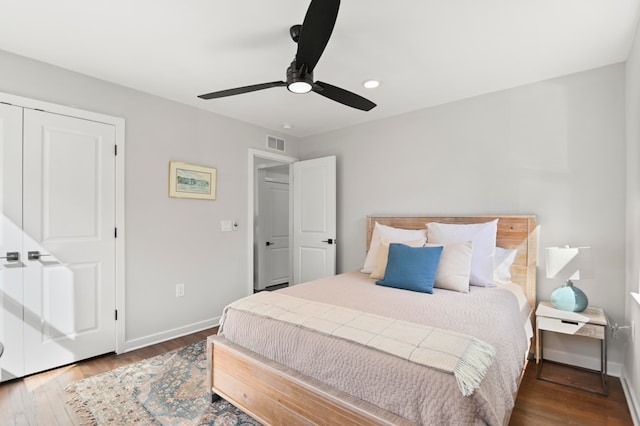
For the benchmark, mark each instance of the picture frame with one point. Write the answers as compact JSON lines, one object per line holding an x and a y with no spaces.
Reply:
{"x":192,"y":181}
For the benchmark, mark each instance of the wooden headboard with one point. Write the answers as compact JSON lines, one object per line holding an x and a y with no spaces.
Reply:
{"x":514,"y":232}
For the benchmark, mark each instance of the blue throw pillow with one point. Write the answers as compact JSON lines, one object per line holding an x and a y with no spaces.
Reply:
{"x":411,"y":268}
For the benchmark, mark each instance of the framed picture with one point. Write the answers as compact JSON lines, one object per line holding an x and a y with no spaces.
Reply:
{"x":191,"y":181}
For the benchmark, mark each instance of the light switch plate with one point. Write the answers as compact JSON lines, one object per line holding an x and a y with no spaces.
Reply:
{"x":226,"y":225}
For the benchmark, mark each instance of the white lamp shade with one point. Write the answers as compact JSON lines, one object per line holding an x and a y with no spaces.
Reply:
{"x":569,"y":263}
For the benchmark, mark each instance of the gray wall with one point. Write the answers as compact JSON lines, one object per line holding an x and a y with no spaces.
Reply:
{"x":168,"y":241}
{"x":555,"y":149}
{"x":632,"y":355}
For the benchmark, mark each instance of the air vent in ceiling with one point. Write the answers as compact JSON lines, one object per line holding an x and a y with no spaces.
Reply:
{"x":277,"y":144}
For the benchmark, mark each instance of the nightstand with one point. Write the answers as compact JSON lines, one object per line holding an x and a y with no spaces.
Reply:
{"x":591,"y":322}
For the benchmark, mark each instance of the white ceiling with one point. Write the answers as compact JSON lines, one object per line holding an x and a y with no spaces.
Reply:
{"x":424,"y":52}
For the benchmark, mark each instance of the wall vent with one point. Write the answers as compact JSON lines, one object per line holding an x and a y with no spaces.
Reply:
{"x":277,"y":144}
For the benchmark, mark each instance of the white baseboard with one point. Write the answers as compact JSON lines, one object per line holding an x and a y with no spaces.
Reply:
{"x":152,"y":339}
{"x":632,"y":399}
{"x":613,"y":368}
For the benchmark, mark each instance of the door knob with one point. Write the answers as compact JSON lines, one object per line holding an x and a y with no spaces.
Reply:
{"x":330,"y":241}
{"x":35,"y":255}
{"x":269,"y":243}
{"x":12,"y":256}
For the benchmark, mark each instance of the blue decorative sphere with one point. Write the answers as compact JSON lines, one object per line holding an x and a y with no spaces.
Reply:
{"x":569,"y":298}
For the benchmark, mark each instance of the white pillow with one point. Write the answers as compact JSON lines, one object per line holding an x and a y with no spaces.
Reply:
{"x":483,"y":236}
{"x":389,"y":233}
{"x":503,"y":261}
{"x":454,"y":267}
{"x":383,"y":254}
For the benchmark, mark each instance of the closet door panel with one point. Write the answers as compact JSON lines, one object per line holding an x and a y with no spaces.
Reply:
{"x":69,"y":217}
{"x":11,"y":272}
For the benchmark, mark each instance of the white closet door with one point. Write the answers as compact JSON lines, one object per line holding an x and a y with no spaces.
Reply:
{"x":273,"y":231}
{"x":69,"y":208}
{"x":11,"y":300}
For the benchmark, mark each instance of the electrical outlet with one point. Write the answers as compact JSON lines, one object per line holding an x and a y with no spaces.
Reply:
{"x":180,"y":290}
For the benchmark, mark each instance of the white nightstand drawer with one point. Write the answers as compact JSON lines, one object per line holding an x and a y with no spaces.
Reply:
{"x":576,"y":328}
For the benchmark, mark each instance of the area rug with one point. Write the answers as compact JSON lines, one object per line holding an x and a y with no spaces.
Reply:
{"x":168,"y":389}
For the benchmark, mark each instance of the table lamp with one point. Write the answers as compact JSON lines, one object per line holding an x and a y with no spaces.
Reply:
{"x":569,"y":263}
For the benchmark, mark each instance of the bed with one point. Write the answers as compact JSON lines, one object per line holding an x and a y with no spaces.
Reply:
{"x":261,"y":364}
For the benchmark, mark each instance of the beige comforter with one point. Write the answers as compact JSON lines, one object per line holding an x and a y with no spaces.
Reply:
{"x":417,"y":393}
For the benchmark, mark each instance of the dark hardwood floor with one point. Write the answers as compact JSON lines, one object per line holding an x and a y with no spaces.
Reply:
{"x":40,"y":399}
{"x":543,"y":403}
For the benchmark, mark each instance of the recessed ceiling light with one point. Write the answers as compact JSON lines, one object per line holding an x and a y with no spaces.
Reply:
{"x":287,"y":126}
{"x":371,"y":84}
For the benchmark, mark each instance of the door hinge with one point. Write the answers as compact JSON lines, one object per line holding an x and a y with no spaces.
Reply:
{"x":115,"y":233}
{"x":116,"y":315}
{"x":115,"y":150}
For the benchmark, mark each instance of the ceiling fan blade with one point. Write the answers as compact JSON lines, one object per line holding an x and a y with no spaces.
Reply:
{"x":240,"y":90}
{"x":343,"y":96}
{"x":316,"y":30}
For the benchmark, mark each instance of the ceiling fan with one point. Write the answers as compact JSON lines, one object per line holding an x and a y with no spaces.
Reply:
{"x":312,"y":37}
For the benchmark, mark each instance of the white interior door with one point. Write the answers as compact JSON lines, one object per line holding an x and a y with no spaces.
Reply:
{"x":273,"y":233}
{"x":314,"y":219}
{"x":11,"y":271}
{"x":69,"y":218}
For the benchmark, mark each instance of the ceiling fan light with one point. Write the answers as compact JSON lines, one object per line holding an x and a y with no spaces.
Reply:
{"x":299,"y":87}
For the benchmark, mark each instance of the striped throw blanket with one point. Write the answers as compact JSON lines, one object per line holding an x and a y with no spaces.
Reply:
{"x":467,"y":358}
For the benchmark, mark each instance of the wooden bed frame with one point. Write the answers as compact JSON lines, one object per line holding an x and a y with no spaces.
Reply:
{"x":274,"y":394}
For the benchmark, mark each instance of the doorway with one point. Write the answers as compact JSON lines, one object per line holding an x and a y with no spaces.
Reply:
{"x":311,"y":218}
{"x":269,"y":172}
{"x":272,"y":253}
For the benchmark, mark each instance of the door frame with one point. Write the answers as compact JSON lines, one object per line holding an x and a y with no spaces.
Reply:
{"x":119,"y":125}
{"x":255,"y":154}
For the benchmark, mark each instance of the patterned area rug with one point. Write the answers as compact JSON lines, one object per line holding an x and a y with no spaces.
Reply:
{"x":168,"y":389}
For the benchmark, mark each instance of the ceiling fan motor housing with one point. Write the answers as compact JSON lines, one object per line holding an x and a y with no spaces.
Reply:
{"x":298,"y":80}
